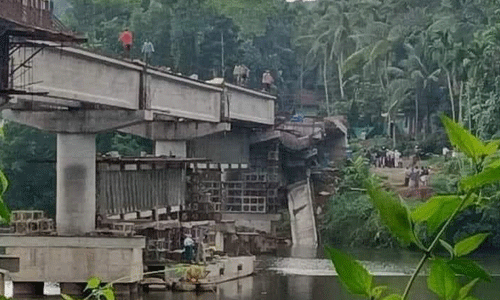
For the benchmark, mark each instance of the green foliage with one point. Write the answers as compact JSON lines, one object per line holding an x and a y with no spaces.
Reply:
{"x":355,"y":277}
{"x":469,"y":244}
{"x":351,"y":220}
{"x":438,"y":213}
{"x":469,"y":268}
{"x":95,"y":290}
{"x":465,"y":291}
{"x":442,"y":280}
{"x":466,"y":142}
{"x":393,"y":212}
{"x":437,"y":210}
{"x":4,"y":184}
{"x":191,"y":273}
{"x":250,"y":15}
{"x":393,"y":297}
{"x":490,"y":174}
{"x":28,"y":159}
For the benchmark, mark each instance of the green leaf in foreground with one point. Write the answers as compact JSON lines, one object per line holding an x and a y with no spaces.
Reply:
{"x":109,"y":294}
{"x":463,"y":139}
{"x":465,"y":291}
{"x":468,"y":268}
{"x":377,"y":292}
{"x":469,"y":244}
{"x":437,"y":210}
{"x":393,"y":297}
{"x":442,"y":280}
{"x":448,"y":247}
{"x":4,"y":182}
{"x":491,"y":147}
{"x":393,"y":213}
{"x":93,"y":283}
{"x":4,"y":212}
{"x":66,"y":297}
{"x":355,"y":277}
{"x":490,"y":174}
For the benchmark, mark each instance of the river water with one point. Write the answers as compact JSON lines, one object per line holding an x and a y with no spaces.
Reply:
{"x":304,"y":274}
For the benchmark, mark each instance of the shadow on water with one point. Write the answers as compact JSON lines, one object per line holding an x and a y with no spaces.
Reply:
{"x":305,"y":274}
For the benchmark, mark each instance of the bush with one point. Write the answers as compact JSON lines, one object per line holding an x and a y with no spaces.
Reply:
{"x":352,"y":213}
{"x":435,"y":142}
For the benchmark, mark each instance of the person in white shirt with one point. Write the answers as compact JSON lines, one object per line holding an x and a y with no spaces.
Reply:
{"x":188,"y":248}
{"x":267,"y":81}
{"x":397,"y":157}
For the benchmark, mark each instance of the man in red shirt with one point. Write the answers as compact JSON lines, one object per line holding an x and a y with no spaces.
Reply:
{"x":126,"y":38}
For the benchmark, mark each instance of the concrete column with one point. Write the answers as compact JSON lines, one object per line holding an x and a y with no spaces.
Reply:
{"x":76,"y":184}
{"x":171,"y":148}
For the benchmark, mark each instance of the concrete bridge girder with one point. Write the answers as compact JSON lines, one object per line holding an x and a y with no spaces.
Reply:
{"x":79,"y":121}
{"x":171,"y":137}
{"x":175,"y":131}
{"x":70,"y":74}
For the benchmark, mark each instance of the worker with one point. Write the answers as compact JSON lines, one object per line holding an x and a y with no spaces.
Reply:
{"x":188,"y":248}
{"x":244,"y":74}
{"x":237,"y":74}
{"x":147,"y":50}
{"x":267,"y":81}
{"x":126,"y":38}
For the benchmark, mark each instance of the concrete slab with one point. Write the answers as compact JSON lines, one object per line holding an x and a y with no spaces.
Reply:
{"x":9,"y":263}
{"x":75,"y":259}
{"x":302,"y":221}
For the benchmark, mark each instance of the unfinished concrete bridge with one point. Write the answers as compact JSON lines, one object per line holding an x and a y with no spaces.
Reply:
{"x":76,"y":94}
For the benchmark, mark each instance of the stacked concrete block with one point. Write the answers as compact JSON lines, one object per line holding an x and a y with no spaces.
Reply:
{"x":205,"y":188}
{"x":123,"y":229}
{"x":31,"y":222}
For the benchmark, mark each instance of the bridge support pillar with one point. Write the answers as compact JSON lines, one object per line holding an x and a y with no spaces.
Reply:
{"x":76,"y":184}
{"x":171,"y":148}
{"x":76,"y":158}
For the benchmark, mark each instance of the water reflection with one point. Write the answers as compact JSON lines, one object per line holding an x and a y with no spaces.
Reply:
{"x":301,"y":285}
{"x":305,"y":274}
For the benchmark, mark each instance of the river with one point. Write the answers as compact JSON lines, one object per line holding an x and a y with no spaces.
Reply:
{"x":304,"y":274}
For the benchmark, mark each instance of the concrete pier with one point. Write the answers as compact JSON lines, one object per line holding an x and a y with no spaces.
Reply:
{"x":76,"y":184}
{"x":71,"y":261}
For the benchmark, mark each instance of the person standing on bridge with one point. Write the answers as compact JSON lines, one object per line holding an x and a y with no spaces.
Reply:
{"x":126,"y":38}
{"x":267,"y":81}
{"x":147,"y":50}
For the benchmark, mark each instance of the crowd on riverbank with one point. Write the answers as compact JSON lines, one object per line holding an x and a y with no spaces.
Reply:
{"x":385,"y":158}
{"x":415,"y":177}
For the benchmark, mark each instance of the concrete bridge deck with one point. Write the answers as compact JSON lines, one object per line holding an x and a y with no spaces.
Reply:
{"x":76,"y":94}
{"x":77,"y":78}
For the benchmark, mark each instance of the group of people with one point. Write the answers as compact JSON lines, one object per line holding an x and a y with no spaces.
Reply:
{"x":415,"y":177}
{"x":384,"y":158}
{"x":241,"y":73}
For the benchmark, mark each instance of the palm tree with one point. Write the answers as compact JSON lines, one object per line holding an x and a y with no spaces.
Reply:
{"x":330,"y":43}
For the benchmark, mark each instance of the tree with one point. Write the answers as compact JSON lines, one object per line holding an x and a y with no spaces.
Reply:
{"x":28,"y":158}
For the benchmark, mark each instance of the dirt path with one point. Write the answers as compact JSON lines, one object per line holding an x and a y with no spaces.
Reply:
{"x":395,"y":179}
